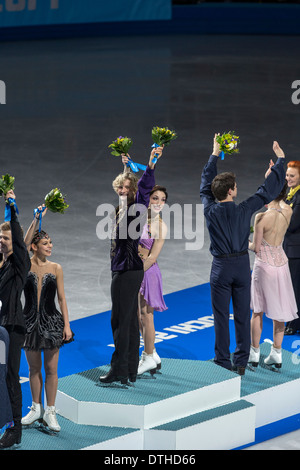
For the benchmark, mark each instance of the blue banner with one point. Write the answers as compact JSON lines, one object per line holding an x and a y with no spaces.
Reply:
{"x":47,"y":12}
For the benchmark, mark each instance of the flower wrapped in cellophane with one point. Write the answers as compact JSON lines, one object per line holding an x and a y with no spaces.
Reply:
{"x":7,"y":183}
{"x":120,"y":145}
{"x":162,"y":136}
{"x":55,"y":201}
{"x":228,"y":143}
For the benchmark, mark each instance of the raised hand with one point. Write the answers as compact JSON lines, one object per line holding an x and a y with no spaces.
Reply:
{"x":216,"y":146}
{"x":277,"y":150}
{"x":269,"y":169}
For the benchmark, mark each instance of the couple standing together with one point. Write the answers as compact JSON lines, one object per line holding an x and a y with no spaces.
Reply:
{"x":271,"y":290}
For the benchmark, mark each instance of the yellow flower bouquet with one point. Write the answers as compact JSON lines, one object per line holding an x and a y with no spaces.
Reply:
{"x":228,"y":143}
{"x":162,"y":136}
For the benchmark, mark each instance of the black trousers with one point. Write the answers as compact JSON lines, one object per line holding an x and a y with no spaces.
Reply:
{"x":231,"y":279}
{"x":16,"y":342}
{"x":5,"y":406}
{"x":125,"y":287}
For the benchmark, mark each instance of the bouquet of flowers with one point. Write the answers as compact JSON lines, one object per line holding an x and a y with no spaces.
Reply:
{"x":120,"y":145}
{"x":55,"y":201}
{"x":228,"y":143}
{"x":7,"y":183}
{"x":162,"y":136}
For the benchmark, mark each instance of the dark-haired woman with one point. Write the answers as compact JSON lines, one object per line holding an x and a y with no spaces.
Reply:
{"x":47,"y":328}
{"x":151,"y":295}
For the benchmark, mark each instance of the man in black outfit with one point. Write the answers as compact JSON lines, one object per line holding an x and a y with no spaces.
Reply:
{"x":14,"y":267}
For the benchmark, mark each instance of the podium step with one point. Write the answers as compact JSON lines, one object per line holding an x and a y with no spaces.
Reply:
{"x":77,"y":437}
{"x":190,"y":405}
{"x":221,"y":428}
{"x":182,"y":388}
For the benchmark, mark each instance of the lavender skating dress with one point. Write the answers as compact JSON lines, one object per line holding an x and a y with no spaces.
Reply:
{"x":151,"y":287}
{"x":271,"y":286}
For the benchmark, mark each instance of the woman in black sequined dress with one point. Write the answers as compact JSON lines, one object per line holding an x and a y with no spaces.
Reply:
{"x":47,"y":327}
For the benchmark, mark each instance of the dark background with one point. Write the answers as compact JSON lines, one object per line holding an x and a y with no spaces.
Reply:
{"x":69,"y":97}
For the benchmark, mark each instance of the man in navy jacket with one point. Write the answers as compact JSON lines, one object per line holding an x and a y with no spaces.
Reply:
{"x":229,"y":228}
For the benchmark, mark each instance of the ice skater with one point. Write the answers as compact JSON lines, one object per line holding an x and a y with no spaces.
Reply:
{"x":229,"y":228}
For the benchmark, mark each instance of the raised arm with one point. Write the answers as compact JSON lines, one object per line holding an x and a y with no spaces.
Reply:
{"x":155,"y":153}
{"x":216,"y":146}
{"x":33,"y":227}
{"x":272,"y":185}
{"x":147,"y":181}
{"x":18,"y":245}
{"x":125,"y":159}
{"x":208,"y":174}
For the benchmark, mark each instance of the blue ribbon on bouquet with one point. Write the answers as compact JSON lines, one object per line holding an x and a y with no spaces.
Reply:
{"x":135,"y":166}
{"x":39,"y":212}
{"x":222,"y":155}
{"x":155,"y":159}
{"x":10,"y":202}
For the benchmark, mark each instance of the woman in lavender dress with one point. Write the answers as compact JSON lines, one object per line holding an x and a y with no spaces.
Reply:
{"x":151,"y":296}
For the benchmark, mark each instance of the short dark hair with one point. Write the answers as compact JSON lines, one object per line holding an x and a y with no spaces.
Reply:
{"x":221,"y":185}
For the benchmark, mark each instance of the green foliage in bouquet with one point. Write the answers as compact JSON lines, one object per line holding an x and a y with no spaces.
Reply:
{"x":7,"y":183}
{"x":228,"y":142}
{"x":163,"y":135}
{"x":55,"y":201}
{"x":120,"y":145}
